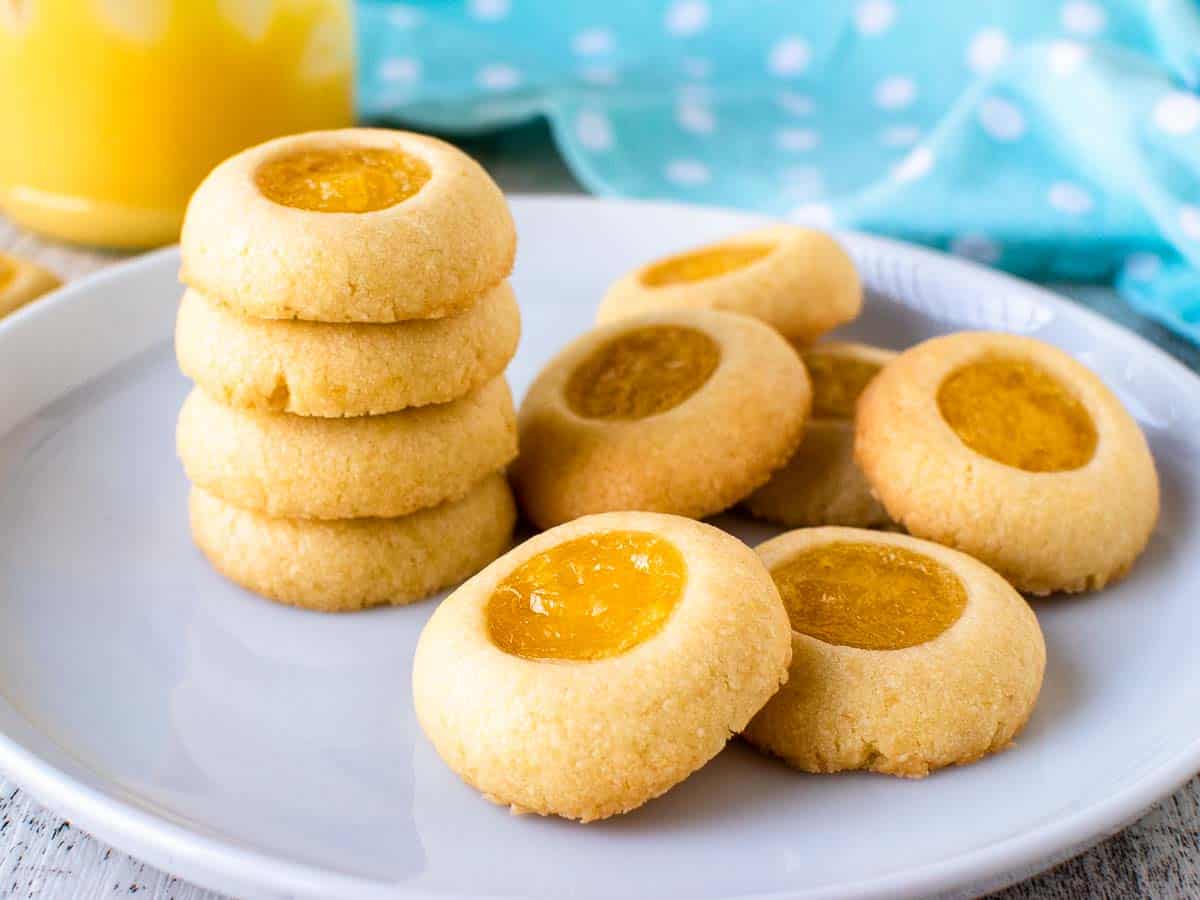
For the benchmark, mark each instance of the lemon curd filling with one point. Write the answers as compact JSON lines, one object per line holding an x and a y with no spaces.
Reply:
{"x":345,"y":180}
{"x":589,"y":598}
{"x":870,"y":596}
{"x":701,"y":264}
{"x":1016,"y":413}
{"x":642,"y":373}
{"x":837,"y":381}
{"x":7,"y":273}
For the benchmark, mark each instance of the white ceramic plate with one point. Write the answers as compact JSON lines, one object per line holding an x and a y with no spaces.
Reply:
{"x":267,"y":751}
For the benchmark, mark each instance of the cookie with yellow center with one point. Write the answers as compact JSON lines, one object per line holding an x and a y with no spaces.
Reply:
{"x":821,"y":484}
{"x":1010,"y":450}
{"x":799,"y":281}
{"x":600,"y":663}
{"x":21,"y":282}
{"x":356,"y":225}
{"x":683,"y":411}
{"x":352,"y":369}
{"x":344,"y":565}
{"x":370,"y":466}
{"x":907,"y":656}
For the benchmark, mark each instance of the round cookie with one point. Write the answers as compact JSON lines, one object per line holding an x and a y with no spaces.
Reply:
{"x":22,"y":281}
{"x":543,"y":703}
{"x":681,"y":411}
{"x":821,"y":484}
{"x":1008,"y":449}
{"x":906,"y":655}
{"x":351,"y":564}
{"x":356,"y":225}
{"x":799,"y":281}
{"x":327,"y":369}
{"x":313,"y":468}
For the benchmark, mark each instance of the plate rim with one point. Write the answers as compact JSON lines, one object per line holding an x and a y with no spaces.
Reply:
{"x":224,"y":865}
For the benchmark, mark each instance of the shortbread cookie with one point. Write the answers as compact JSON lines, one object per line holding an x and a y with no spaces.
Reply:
{"x":355,"y":563}
{"x":357,"y":225}
{"x":906,"y":655}
{"x":22,"y":281}
{"x":799,"y":281}
{"x":821,"y":484}
{"x":305,"y":467}
{"x":681,"y":411}
{"x":326,"y":369}
{"x":600,"y":663}
{"x":1013,"y":452}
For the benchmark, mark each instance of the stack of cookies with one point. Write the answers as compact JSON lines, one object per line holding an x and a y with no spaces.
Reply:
{"x":347,"y":323}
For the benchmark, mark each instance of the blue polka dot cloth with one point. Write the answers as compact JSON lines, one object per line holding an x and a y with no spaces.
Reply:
{"x":1057,"y":140}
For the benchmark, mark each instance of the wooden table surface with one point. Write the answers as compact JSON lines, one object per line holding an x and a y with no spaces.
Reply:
{"x":43,"y":856}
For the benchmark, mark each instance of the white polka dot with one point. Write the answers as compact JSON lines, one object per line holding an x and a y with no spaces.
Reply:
{"x":976,"y":246}
{"x":488,"y":10}
{"x":400,"y":71}
{"x":1066,"y":57}
{"x":796,"y":104}
{"x":803,"y":181}
{"x":593,"y":42}
{"x":916,"y":165}
{"x":1001,"y":119}
{"x":594,"y":131}
{"x":1177,"y":113}
{"x":790,"y":56}
{"x":816,"y":215}
{"x":695,"y":117}
{"x":142,"y":22}
{"x":601,"y":76}
{"x":896,"y":92}
{"x":987,"y":50}
{"x":1083,"y":18}
{"x":1143,"y":266}
{"x":900,"y":136}
{"x":498,"y":77}
{"x":1189,"y":222}
{"x":688,"y":172}
{"x":251,"y":17}
{"x":1069,"y":198}
{"x":797,"y":139}
{"x":873,"y":17}
{"x":687,"y":17}
{"x":696,"y":67}
{"x":401,"y":16}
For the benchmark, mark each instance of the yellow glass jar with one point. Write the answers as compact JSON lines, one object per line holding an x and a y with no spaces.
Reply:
{"x":112,"y":111}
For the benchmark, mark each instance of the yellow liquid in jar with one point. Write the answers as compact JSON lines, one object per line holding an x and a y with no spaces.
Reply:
{"x":703,"y":264}
{"x":642,"y":373}
{"x":113,"y":111}
{"x":349,"y":180}
{"x":589,"y":598}
{"x":870,"y":596}
{"x":1015,"y":412}
{"x":837,"y":382}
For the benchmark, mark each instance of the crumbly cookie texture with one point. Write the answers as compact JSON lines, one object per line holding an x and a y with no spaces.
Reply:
{"x":949,"y":701}
{"x":22,"y":282}
{"x":1045,"y":531}
{"x":328,"y":369}
{"x":345,"y":565}
{"x":696,"y":458}
{"x":799,"y":281}
{"x":429,"y":255}
{"x":821,"y":484}
{"x":386,"y":466}
{"x":586,"y":740}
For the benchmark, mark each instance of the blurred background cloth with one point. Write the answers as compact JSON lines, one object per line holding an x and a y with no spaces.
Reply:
{"x":1057,"y":140}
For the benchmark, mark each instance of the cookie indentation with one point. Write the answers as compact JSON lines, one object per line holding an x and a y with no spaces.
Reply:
{"x":589,"y":598}
{"x":642,"y":373}
{"x":1015,"y":412}
{"x":343,"y":180}
{"x":7,"y":272}
{"x":703,"y":264}
{"x":868,"y":595}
